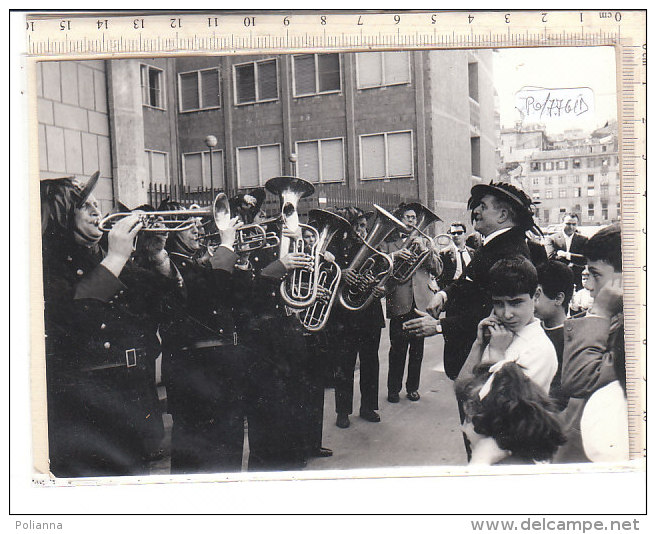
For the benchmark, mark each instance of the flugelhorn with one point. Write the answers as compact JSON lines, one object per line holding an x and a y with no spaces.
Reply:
{"x":248,"y":237}
{"x":315,"y":317}
{"x":404,"y":269}
{"x":299,"y":288}
{"x":371,"y":266}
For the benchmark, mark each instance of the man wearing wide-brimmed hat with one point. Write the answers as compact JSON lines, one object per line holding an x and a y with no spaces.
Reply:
{"x":502,"y":214}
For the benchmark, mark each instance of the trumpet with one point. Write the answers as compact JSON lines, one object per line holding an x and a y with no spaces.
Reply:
{"x":315,"y":317}
{"x":248,"y":237}
{"x":299,"y":288}
{"x":371,"y":266}
{"x":160,"y":222}
{"x":404,"y":269}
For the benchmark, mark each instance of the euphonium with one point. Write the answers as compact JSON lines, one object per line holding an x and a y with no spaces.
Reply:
{"x":371,"y":266}
{"x":300,"y":286}
{"x":314,"y":317}
{"x":248,"y":237}
{"x":404,"y":269}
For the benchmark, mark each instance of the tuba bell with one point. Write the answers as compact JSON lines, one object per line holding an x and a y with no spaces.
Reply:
{"x":404,"y":269}
{"x":299,"y":288}
{"x":315,"y":317}
{"x":371,"y":266}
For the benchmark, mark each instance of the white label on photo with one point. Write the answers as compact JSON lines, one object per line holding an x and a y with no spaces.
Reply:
{"x":538,"y":104}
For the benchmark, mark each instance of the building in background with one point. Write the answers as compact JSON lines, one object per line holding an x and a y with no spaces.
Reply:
{"x":572,"y":172}
{"x":420,"y":125}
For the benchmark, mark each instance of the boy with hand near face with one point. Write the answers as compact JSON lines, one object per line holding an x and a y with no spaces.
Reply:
{"x":512,"y":332}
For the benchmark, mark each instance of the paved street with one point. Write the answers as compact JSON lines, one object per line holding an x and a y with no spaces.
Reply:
{"x":426,"y":432}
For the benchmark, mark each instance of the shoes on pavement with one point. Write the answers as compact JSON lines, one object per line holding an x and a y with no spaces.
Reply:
{"x":370,"y":415}
{"x":343,"y":420}
{"x":413,"y":395}
{"x":393,"y":397}
{"x":322,"y":452}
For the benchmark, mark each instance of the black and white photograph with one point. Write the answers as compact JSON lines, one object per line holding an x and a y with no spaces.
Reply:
{"x":331,"y":261}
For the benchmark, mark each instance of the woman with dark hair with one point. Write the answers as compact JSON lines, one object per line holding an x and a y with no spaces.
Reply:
{"x":102,"y":311}
{"x":507,"y":417}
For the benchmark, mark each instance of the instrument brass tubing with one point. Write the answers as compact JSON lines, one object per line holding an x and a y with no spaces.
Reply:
{"x":158,"y":221}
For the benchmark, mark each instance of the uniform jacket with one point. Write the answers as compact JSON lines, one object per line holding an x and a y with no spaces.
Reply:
{"x":468,"y":299}
{"x":400,"y":297}
{"x":449,"y":259}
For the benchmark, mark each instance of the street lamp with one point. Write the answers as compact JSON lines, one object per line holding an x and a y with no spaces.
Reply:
{"x":211,"y":141}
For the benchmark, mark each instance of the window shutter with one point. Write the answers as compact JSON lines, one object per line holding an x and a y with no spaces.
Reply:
{"x":399,"y":149}
{"x":267,"y":80}
{"x":192,"y":170}
{"x":308,"y":160}
{"x":209,"y":80}
{"x":329,"y":79}
{"x":245,"y":75}
{"x":159,"y":168}
{"x":189,"y":91}
{"x":269,"y":162}
{"x":370,"y":69}
{"x":217,"y":169}
{"x":332,"y":160}
{"x":397,"y":67}
{"x":373,"y":156}
{"x":304,"y":75}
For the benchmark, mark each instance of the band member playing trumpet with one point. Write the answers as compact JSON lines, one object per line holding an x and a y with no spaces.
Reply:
{"x":357,"y":333}
{"x":402,"y":302}
{"x":102,"y":312}
{"x":202,"y":357}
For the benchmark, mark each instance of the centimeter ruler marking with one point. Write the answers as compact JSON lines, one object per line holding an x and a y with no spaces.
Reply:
{"x":98,"y":35}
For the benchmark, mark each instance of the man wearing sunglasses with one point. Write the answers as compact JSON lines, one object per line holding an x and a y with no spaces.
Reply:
{"x":456,"y":256}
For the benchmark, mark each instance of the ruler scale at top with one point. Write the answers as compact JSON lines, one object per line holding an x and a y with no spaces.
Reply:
{"x":130,"y":35}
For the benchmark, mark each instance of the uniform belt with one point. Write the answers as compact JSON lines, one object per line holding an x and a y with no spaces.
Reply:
{"x":132,"y":357}
{"x":211,"y":343}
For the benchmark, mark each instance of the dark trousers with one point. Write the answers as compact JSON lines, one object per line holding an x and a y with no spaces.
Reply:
{"x":206,"y":400}
{"x":317,"y":350}
{"x":362,"y":342}
{"x":400,"y":342}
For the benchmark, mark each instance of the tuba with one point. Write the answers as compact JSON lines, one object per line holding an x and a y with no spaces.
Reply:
{"x":314,"y":317}
{"x":299,"y":288}
{"x":248,"y":237}
{"x":371,"y":266}
{"x":404,"y":269}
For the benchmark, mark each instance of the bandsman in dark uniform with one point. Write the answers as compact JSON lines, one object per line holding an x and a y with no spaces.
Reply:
{"x":102,"y":312}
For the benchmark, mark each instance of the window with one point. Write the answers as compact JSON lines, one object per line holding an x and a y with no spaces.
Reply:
{"x":591,"y":211}
{"x":562,"y":193}
{"x":535,"y":166}
{"x":199,"y":90}
{"x":561,"y":165}
{"x":536,"y":194}
{"x":548,"y":180}
{"x":617,"y":189}
{"x":536,"y":180}
{"x":548,"y":193}
{"x":256,"y":164}
{"x":256,"y":82}
{"x":321,"y":160}
{"x":386,"y":155}
{"x":316,"y":74}
{"x":377,"y":69}
{"x":152,"y":86}
{"x":619,"y":212}
{"x":590,"y":178}
{"x":546,"y":216}
{"x":577,"y":192}
{"x":473,"y":80}
{"x":603,"y":148}
{"x":576,"y":164}
{"x":591,"y":190}
{"x":561,"y":180}
{"x":575,"y":179}
{"x":475,"y":156}
{"x":158,"y":167}
{"x":196,"y":169}
{"x":548,"y":165}
{"x":603,"y":190}
{"x":604,"y":211}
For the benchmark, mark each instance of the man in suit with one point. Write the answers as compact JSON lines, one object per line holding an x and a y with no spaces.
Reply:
{"x":502,"y":214}
{"x":567,"y":246}
{"x":402,"y":300}
{"x":456,"y":256}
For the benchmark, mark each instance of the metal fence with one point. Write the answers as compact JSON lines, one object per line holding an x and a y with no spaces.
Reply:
{"x":326,"y":196}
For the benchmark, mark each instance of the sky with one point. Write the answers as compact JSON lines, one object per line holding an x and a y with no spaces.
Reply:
{"x":557,"y":67}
